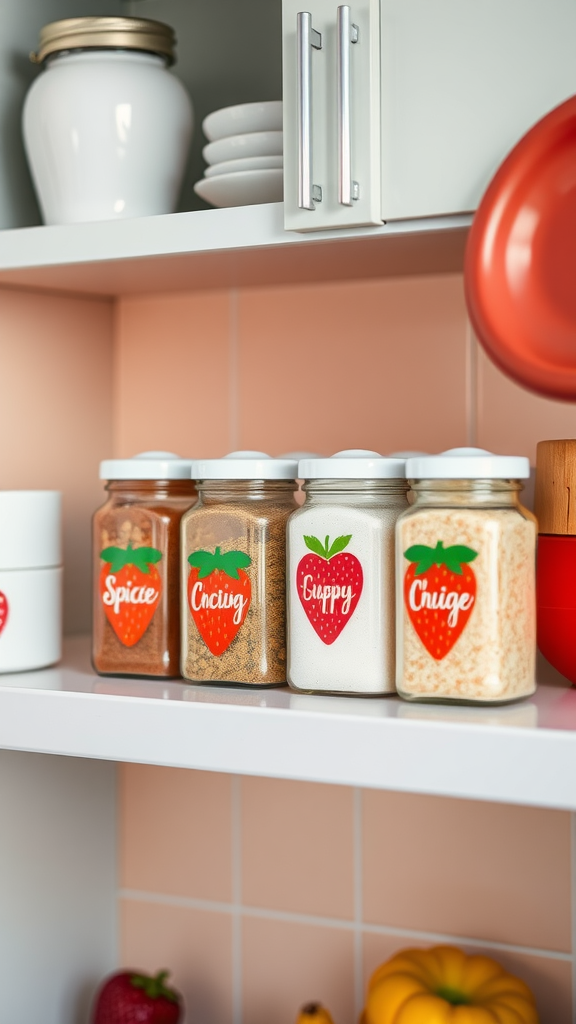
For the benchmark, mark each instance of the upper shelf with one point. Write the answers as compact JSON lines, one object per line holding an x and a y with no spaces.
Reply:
{"x":523,"y":753}
{"x":234,"y":247}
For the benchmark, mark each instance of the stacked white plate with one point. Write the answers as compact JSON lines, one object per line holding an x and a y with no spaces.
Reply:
{"x":244,"y":155}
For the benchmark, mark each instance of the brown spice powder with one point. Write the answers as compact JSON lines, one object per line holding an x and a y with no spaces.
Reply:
{"x":257,"y":654}
{"x":118,"y":524}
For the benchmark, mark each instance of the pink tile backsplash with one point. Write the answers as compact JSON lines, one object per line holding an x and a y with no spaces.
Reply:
{"x":512,"y":420}
{"x":469,"y":869}
{"x":297,"y":847}
{"x":175,"y":831}
{"x":56,"y":352}
{"x":173,"y":382}
{"x":368,"y":364}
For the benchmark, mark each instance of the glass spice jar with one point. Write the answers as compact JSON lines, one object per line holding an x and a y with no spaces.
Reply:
{"x":341,"y":574}
{"x":234,"y":570}
{"x":465,"y":580}
{"x":136,"y":603}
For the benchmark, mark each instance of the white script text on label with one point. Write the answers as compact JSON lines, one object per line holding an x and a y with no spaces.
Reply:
{"x":218,"y":599}
{"x":116,"y":596}
{"x":454,"y":602}
{"x":328,"y":594}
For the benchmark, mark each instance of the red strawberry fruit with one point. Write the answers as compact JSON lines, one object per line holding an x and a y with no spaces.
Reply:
{"x":130,"y":588}
{"x":130,"y":997}
{"x":439,"y":594}
{"x":219,"y":594}
{"x":329,"y":583}
{"x":3,"y":610}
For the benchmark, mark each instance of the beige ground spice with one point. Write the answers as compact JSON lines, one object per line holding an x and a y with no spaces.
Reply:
{"x":494,"y":658}
{"x":257,"y":655}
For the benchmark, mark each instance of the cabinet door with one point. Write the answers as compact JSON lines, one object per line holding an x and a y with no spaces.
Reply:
{"x":331,"y":69}
{"x":462,"y":81}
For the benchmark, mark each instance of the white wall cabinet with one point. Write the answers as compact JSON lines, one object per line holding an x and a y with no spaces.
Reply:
{"x":456,"y":82}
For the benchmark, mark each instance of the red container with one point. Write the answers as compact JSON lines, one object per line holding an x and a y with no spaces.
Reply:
{"x":556,"y":567}
{"x":556,"y":602}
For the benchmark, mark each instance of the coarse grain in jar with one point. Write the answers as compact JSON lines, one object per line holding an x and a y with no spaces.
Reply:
{"x":465,"y":580}
{"x":233,"y":566}
{"x":341,"y":574}
{"x":136,"y":604}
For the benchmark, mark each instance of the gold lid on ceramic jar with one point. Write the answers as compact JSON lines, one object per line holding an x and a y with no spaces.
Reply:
{"x":106,"y":33}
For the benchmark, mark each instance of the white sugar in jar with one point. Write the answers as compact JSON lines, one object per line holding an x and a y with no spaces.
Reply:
{"x":30,"y":580}
{"x":341,"y":574}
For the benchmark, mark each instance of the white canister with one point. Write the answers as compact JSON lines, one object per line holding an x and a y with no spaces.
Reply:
{"x":107,"y":128}
{"x":341,"y":574}
{"x":30,"y":580}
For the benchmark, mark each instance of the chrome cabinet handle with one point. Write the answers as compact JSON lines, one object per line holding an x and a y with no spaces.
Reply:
{"x":308,"y":39}
{"x":348,"y":190}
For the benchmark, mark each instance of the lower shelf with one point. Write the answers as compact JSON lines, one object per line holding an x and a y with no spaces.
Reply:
{"x":523,"y":753}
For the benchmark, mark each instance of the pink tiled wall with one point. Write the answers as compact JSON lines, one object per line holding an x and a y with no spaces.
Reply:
{"x":261,"y":894}
{"x":56,"y":356}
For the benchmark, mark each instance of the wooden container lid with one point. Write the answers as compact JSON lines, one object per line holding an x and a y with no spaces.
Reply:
{"x":555,"y":504}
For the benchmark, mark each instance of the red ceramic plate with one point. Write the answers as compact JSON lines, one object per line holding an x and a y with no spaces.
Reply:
{"x":520,"y":267}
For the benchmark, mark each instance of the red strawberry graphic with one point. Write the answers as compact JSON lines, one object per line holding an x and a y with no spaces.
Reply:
{"x":130,"y":588}
{"x":3,"y":610}
{"x":439,"y":594}
{"x":329,"y":585}
{"x":129,"y":997}
{"x":219,"y":593}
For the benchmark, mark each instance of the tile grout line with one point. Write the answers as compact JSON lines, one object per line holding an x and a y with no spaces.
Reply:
{"x":358,"y":891}
{"x":233,"y":355}
{"x":573,"y":905}
{"x":471,"y":386}
{"x":236,"y":784}
{"x":263,"y":913}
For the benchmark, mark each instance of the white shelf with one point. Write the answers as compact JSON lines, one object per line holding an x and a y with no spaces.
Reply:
{"x":219,"y":249}
{"x":523,"y":753}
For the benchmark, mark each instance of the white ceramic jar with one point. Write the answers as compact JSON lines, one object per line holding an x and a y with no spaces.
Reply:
{"x":341,"y":574}
{"x":30,"y":580}
{"x":107,"y":128}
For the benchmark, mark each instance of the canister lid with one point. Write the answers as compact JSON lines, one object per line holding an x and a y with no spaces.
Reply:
{"x":555,"y":499}
{"x":106,"y":33}
{"x":30,"y":529}
{"x":353,"y":464}
{"x":147,"y":466}
{"x":468,"y":464}
{"x":244,"y":466}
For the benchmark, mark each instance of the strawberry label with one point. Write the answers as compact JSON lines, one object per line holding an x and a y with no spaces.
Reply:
{"x":329,"y":583}
{"x":130,"y":588}
{"x":439,"y":594}
{"x":3,"y":610}
{"x":219,"y":595}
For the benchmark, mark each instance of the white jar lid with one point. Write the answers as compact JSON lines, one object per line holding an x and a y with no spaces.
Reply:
{"x":30,"y":529}
{"x":353,"y":464}
{"x":244,"y":466}
{"x":147,"y":466}
{"x":468,"y":464}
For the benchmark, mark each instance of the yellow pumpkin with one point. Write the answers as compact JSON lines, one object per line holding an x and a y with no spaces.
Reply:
{"x":444,"y":986}
{"x":314,"y":1013}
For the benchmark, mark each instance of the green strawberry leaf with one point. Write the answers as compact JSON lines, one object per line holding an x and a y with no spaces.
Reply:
{"x":422,"y":555}
{"x":232,"y":561}
{"x":141,"y":558}
{"x":338,"y":545}
{"x":316,"y":546}
{"x":201,"y":559}
{"x":462,"y":553}
{"x":115,"y":557}
{"x":144,"y":557}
